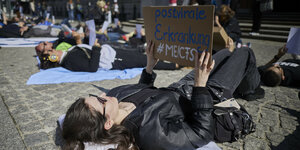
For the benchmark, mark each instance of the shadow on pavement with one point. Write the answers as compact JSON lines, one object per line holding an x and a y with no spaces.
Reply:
{"x":101,"y":88}
{"x":59,"y":141}
{"x":291,"y":141}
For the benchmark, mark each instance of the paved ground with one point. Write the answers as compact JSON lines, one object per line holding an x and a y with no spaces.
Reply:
{"x":29,"y":112}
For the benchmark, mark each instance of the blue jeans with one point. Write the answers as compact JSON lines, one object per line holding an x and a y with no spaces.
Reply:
{"x":233,"y":72}
{"x":71,"y":14}
{"x":78,"y":17}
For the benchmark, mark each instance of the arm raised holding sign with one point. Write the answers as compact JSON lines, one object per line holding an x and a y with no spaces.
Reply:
{"x":202,"y":69}
{"x":151,"y":61}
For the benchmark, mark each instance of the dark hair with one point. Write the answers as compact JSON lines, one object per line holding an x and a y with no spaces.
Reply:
{"x":45,"y":63}
{"x":271,"y":78}
{"x":84,"y":124}
{"x":225,"y":11}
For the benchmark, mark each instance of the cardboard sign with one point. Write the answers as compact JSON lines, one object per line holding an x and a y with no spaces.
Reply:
{"x":220,"y":38}
{"x":179,"y":32}
{"x":293,"y":42}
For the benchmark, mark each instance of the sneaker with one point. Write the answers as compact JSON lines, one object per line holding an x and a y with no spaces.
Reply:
{"x":66,"y":28}
{"x":253,"y":33}
{"x":258,"y":94}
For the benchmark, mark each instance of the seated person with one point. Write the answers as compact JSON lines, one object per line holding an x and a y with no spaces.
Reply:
{"x":179,"y":116}
{"x":226,"y":19}
{"x":285,"y":73}
{"x":83,"y":57}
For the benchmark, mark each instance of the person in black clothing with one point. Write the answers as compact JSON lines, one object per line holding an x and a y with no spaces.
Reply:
{"x":285,"y":73}
{"x":176,"y":117}
{"x":81,"y":57}
{"x":226,"y":18}
{"x":256,"y":18}
{"x":13,"y":30}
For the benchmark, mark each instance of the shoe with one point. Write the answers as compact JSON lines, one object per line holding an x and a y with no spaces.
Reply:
{"x":258,"y":94}
{"x":253,"y":33}
{"x":65,"y":28}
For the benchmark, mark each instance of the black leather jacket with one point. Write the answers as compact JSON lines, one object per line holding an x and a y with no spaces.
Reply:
{"x":167,"y":121}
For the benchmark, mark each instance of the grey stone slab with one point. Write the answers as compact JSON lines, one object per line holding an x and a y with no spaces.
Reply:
{"x":12,"y":144}
{"x":255,"y":144}
{"x":25,"y":118}
{"x":48,"y":146}
{"x":268,"y":122}
{"x":50,"y":122}
{"x":276,"y":138}
{"x":288,"y":123}
{"x":260,"y":131}
{"x":39,"y":106}
{"x":35,"y":139}
{"x":31,"y":127}
{"x":9,"y":135}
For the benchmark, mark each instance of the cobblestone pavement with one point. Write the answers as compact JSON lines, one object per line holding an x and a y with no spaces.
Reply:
{"x":29,"y":112}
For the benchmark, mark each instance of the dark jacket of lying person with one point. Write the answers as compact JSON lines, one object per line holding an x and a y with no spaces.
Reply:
{"x":176,"y":117}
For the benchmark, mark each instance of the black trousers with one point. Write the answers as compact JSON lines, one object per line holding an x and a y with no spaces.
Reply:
{"x":256,"y":17}
{"x":233,"y":72}
{"x":134,"y":59}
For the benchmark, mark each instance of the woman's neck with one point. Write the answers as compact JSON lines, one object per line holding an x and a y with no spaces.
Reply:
{"x":59,"y":54}
{"x":125,"y":108}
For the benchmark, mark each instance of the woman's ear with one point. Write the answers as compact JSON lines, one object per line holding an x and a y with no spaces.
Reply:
{"x":108,"y":124}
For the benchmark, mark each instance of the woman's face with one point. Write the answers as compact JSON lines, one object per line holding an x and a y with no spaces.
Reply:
{"x":44,"y":48}
{"x":111,"y":106}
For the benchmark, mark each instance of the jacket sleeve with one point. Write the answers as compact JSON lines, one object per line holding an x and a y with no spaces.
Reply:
{"x":147,"y":78}
{"x":78,"y":60}
{"x":94,"y":60}
{"x":169,"y":125}
{"x":233,"y":30}
{"x":202,"y":119}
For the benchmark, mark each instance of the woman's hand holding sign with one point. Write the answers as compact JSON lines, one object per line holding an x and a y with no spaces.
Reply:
{"x":202,"y":69}
{"x":151,"y":61}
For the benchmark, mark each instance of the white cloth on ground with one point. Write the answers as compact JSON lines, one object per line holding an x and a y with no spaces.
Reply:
{"x":107,"y":57}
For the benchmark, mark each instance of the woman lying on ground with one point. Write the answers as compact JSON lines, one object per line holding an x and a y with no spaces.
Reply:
{"x":176,"y":117}
{"x":86,"y":58}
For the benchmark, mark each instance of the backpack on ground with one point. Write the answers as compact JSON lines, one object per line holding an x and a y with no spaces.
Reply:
{"x":232,"y":123}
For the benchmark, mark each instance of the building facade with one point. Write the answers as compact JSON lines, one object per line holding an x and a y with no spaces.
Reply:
{"x":132,"y":9}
